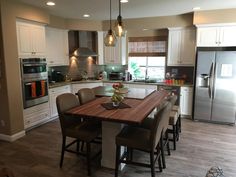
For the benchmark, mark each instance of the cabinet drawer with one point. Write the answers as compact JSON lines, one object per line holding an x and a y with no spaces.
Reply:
{"x":36,"y":108}
{"x":65,"y":89}
{"x":36,"y":118}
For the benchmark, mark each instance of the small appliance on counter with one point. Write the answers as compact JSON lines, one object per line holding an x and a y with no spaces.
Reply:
{"x":57,"y":76}
{"x":116,"y":76}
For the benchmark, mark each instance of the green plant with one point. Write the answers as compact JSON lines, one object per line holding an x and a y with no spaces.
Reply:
{"x":135,"y":69}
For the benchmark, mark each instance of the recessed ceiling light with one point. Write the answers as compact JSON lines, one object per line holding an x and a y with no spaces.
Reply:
{"x":50,"y":3}
{"x":86,"y":15}
{"x":196,"y":8}
{"x":124,"y":1}
{"x":145,"y":29}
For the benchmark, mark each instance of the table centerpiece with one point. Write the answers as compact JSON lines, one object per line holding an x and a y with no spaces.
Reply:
{"x":118,"y":94}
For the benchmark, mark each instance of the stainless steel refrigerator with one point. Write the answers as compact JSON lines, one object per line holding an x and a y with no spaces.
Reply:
{"x":215,"y":86}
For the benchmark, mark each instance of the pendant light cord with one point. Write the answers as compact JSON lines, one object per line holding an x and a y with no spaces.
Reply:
{"x":119,"y":7}
{"x":110,"y":14}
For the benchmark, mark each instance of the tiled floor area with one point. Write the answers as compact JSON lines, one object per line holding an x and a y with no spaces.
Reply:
{"x":201,"y":146}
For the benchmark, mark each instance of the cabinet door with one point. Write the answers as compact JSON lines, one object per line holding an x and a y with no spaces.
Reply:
{"x":53,"y":93}
{"x":186,"y":100}
{"x":174,"y":42}
{"x":227,"y":36}
{"x":100,"y":48}
{"x":117,"y":54}
{"x":30,"y":39}
{"x":24,"y":39}
{"x":207,"y":36}
{"x":187,"y":51}
{"x":57,"y":47}
{"x":38,"y":40}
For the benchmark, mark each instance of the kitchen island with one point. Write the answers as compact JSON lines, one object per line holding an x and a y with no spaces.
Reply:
{"x":114,"y":120}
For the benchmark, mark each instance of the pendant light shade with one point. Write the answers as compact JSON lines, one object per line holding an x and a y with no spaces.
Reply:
{"x":119,"y":26}
{"x":110,"y":38}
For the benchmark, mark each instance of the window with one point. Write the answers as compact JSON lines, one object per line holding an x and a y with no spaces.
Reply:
{"x":149,"y":67}
{"x":147,"y":57}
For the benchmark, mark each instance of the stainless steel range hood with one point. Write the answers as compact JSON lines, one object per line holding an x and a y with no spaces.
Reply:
{"x":85,"y":43}
{"x":84,"y":52}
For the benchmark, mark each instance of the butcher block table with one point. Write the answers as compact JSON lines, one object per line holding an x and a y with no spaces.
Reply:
{"x":114,"y":120}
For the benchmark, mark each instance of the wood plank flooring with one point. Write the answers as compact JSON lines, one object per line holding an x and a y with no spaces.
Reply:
{"x":201,"y":146}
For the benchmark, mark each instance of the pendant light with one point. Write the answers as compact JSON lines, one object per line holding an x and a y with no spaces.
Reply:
{"x":110,"y":39}
{"x":119,"y":26}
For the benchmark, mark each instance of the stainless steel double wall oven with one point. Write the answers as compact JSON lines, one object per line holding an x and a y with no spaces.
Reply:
{"x":34,"y":81}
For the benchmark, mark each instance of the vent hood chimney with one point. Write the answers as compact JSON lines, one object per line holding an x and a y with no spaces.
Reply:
{"x":84,"y":43}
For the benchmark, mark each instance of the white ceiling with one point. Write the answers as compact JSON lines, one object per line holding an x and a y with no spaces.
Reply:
{"x":99,"y":9}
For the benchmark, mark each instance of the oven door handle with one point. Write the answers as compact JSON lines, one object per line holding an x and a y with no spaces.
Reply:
{"x":42,"y":64}
{"x":28,"y":83}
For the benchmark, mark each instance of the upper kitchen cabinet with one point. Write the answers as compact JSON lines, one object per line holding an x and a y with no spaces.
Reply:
{"x":181,"y":47}
{"x":30,"y":39}
{"x":117,"y":54}
{"x":57,"y":49}
{"x":100,"y":48}
{"x":216,"y":36}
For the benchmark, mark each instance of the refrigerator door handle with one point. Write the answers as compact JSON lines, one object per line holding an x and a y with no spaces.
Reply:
{"x":210,"y":80}
{"x":213,"y":80}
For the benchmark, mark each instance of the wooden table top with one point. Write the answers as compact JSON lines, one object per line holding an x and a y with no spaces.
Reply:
{"x":137,"y":93}
{"x":140,"y":109}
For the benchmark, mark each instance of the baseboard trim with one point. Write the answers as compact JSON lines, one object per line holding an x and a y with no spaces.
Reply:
{"x":11,"y":138}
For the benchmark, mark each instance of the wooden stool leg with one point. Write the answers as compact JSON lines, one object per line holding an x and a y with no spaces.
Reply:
{"x":174,"y":136}
{"x":88,"y":158}
{"x":152,"y":163}
{"x":162,"y":152}
{"x":62,"y":150}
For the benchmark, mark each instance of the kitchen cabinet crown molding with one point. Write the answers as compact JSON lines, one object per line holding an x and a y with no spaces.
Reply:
{"x":215,"y":25}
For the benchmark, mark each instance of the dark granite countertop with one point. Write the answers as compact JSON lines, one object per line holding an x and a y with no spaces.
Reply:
{"x":58,"y":84}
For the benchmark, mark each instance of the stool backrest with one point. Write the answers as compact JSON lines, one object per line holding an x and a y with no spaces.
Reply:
{"x":85,"y":95}
{"x":65,"y":102}
{"x":159,"y":123}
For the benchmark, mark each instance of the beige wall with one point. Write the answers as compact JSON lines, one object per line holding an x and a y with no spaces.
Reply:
{"x":146,"y":33}
{"x":12,"y":100}
{"x":80,"y":24}
{"x":215,"y":16}
{"x":155,"y":22}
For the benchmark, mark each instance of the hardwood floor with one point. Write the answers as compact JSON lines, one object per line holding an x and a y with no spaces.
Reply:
{"x":201,"y":146}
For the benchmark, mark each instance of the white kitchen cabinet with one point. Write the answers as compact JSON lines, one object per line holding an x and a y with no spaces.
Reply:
{"x":117,"y":54}
{"x":181,"y":47}
{"x":216,"y":36}
{"x":30,"y":39}
{"x":36,"y":115}
{"x":186,"y":101}
{"x":57,"y":49}
{"x":100,"y":39}
{"x":53,"y":93}
{"x":76,"y":87}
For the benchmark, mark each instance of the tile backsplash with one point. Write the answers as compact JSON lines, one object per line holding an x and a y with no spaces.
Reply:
{"x":80,"y":66}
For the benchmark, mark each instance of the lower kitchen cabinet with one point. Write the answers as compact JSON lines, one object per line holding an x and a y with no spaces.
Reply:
{"x":186,"y":100}
{"x":76,"y":87}
{"x":36,"y":115}
{"x":53,"y":93}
